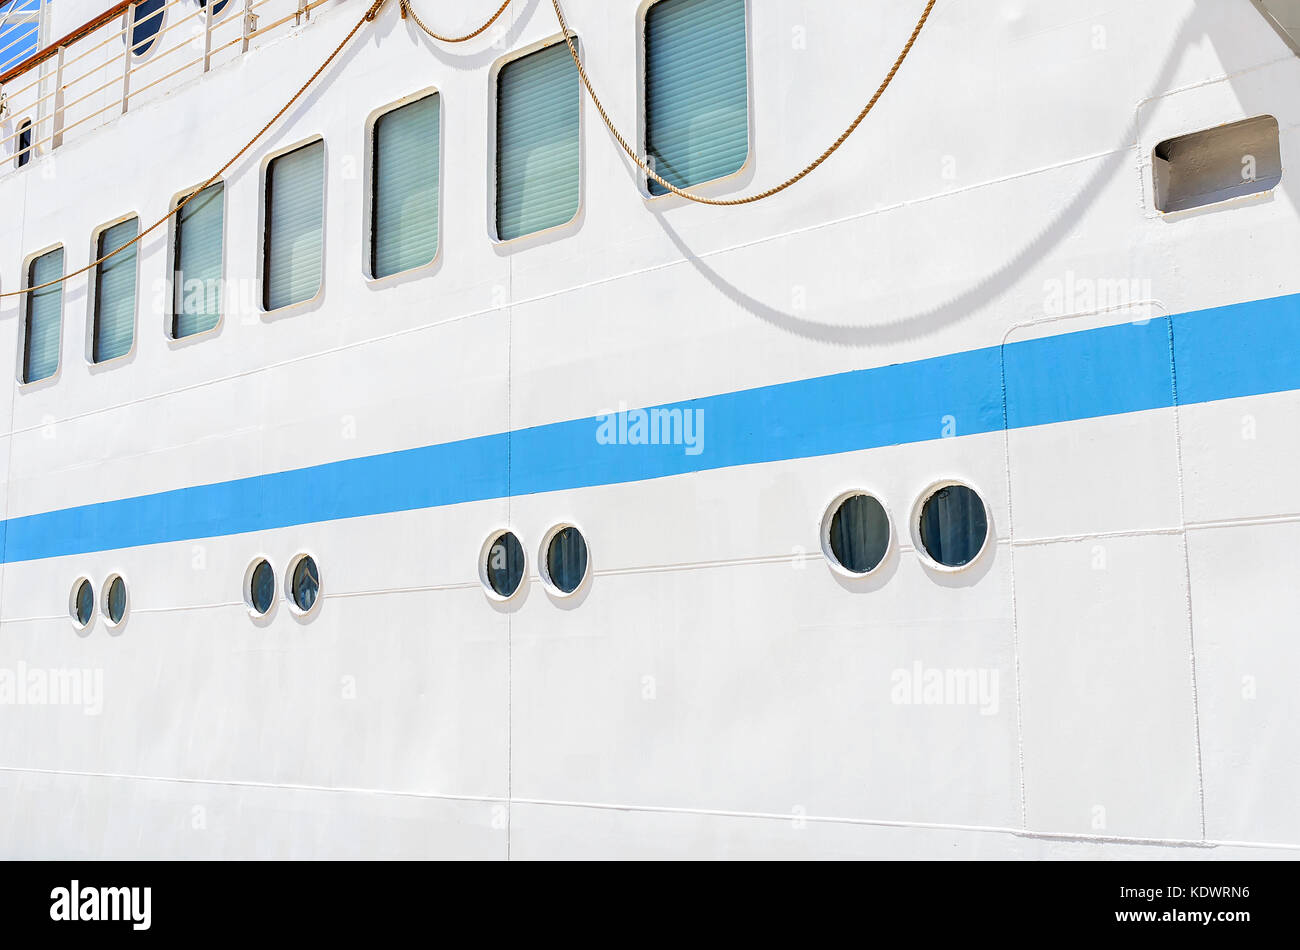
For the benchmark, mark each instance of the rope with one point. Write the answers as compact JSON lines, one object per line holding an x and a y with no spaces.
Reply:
{"x":369,"y":17}
{"x":749,"y":199}
{"x":407,"y":8}
{"x":586,"y":81}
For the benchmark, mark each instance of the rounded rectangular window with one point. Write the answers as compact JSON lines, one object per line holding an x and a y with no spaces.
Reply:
{"x":404,"y":196}
{"x":196,"y":273}
{"x":44,"y":318}
{"x":295,"y":217}
{"x":115,"y":291}
{"x":696,"y":91}
{"x":538,"y":148}
{"x":24,"y":151}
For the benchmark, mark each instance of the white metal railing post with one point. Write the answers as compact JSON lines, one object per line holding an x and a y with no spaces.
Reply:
{"x":302,"y":11}
{"x":128,"y":19}
{"x":250,"y":24}
{"x":207,"y":35}
{"x":57,"y":119}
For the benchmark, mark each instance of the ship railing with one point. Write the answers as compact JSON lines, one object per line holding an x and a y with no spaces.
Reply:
{"x":124,"y":57}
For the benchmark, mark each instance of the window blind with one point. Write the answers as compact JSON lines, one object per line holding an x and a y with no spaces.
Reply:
{"x":197,"y":268}
{"x":537,"y":142}
{"x":295,"y":213}
{"x":404,"y":228}
{"x":696,"y":90}
{"x":44,"y":318}
{"x":115,"y":292}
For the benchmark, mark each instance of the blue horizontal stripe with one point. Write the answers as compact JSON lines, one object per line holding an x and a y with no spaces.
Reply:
{"x":1239,"y":350}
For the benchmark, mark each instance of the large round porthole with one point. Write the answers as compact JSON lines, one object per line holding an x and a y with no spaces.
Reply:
{"x":81,"y":604}
{"x":259,"y":587}
{"x":951,"y":525}
{"x":564,"y":559}
{"x":856,"y":534}
{"x":114,"y":599}
{"x":146,"y":24}
{"x":502,"y":565}
{"x":304,"y":583}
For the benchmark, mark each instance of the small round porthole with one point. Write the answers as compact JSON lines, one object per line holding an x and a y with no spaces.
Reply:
{"x":259,"y":587}
{"x":951,"y":525}
{"x":502,"y":565}
{"x":113,"y":601}
{"x":564,"y":559}
{"x":81,"y":602}
{"x":856,"y":533}
{"x":304,"y":584}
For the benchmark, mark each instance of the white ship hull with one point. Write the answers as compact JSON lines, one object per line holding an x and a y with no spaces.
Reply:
{"x":936,"y":302}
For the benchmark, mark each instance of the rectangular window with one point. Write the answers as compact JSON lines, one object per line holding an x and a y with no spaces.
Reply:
{"x":115,"y":292}
{"x":295,"y":215}
{"x":404,"y":200}
{"x":538,"y":105}
{"x":696,"y":91}
{"x":44,"y":318}
{"x":196,"y":275}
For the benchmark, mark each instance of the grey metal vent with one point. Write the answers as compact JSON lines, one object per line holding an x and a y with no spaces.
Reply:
{"x":1229,"y":161}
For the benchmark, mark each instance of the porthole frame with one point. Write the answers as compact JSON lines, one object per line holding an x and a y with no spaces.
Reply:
{"x":543,"y":571}
{"x":915,"y":523}
{"x":72,"y":603}
{"x":492,"y":537}
{"x":256,"y":560}
{"x":825,"y":534}
{"x":103,"y":600}
{"x":286,"y":585}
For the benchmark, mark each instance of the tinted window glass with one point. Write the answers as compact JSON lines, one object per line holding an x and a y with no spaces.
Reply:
{"x":859,"y":534}
{"x":117,"y":600}
{"x":953,"y":525}
{"x":261,"y":588}
{"x":306,"y":583}
{"x":566,"y":559}
{"x":505,"y":564}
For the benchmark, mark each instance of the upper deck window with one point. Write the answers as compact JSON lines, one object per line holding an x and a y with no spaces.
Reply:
{"x":24,"y":150}
{"x":696,"y":91}
{"x":538,"y":108}
{"x":196,"y":278}
{"x":44,"y":318}
{"x":146,"y":24}
{"x":115,"y":281}
{"x":404,"y":202}
{"x":295,"y":214}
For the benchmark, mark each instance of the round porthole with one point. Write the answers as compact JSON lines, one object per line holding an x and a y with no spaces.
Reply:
{"x":502,"y":565}
{"x":146,"y":24}
{"x":259,"y":586}
{"x":114,"y":599}
{"x":304,"y":583}
{"x":856,"y":533}
{"x":951,"y":525}
{"x":81,"y":602}
{"x":564,"y":559}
